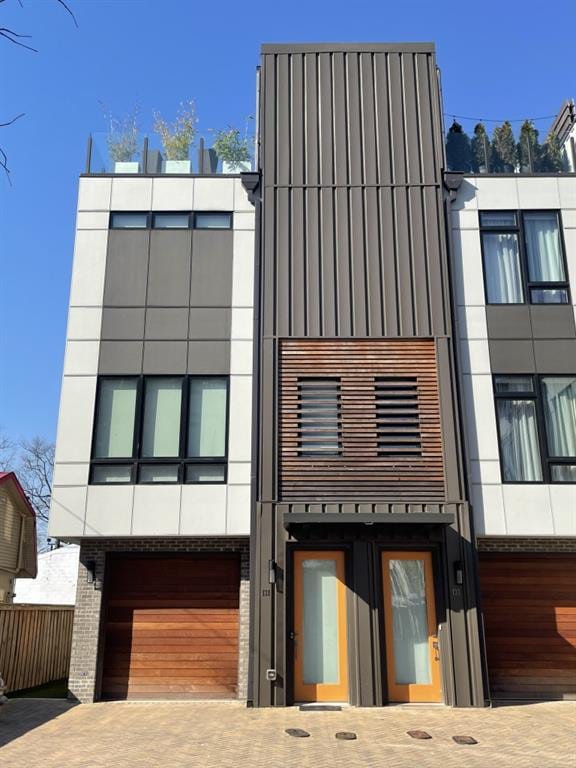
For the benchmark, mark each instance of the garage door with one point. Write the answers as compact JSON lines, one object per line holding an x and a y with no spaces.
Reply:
{"x":171,"y":627}
{"x":529,"y":606}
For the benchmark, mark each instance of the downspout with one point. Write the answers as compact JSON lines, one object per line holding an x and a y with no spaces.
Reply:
{"x":251,"y":182}
{"x":452,"y":183}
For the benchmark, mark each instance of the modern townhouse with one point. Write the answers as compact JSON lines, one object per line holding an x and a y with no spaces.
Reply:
{"x":514,"y":287}
{"x":299,"y":405}
{"x":152,"y":474}
{"x":363,"y":571}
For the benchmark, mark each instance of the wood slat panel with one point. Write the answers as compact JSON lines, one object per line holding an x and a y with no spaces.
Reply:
{"x":35,"y":644}
{"x":172,"y":627}
{"x":388,"y":428}
{"x":529,"y":606}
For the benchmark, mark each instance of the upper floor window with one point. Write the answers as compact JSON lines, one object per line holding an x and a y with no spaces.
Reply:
{"x":536,"y":418}
{"x":523,"y":258}
{"x":175,"y":220}
{"x":128,"y":221}
{"x":212,"y":220}
{"x":160,"y":429}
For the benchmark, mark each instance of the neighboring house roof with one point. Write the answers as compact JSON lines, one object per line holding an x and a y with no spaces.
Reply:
{"x":22,"y":538}
{"x":55,"y":583}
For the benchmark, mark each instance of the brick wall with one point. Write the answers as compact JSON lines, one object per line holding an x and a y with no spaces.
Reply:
{"x":525,"y":544}
{"x":86,"y":633}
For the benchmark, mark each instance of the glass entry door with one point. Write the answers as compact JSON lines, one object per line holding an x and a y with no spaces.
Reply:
{"x":320,"y":643}
{"x":412,"y":656}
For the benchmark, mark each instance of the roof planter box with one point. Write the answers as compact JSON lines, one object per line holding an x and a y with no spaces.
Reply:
{"x":126,"y":166}
{"x":177,"y":166}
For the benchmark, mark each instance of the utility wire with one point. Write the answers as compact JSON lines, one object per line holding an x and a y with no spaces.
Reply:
{"x":488,"y":120}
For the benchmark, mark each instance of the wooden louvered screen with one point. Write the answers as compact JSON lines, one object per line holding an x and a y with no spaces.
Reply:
{"x":398,"y":416}
{"x":319,"y":417}
{"x":380,"y":438}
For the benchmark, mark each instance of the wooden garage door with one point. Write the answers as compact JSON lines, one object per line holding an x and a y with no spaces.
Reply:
{"x":529,"y":606}
{"x":171,"y":627}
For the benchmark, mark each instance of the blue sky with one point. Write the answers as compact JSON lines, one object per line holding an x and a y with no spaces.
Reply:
{"x":499,"y":60}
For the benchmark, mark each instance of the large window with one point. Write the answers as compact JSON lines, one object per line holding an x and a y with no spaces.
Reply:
{"x":537,"y":428}
{"x":523,"y":258}
{"x":160,"y":429}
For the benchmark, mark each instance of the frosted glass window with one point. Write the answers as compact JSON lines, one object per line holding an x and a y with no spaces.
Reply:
{"x":205,"y":473}
{"x":171,"y":221}
{"x":162,"y":411}
{"x":320,"y":621}
{"x":564,"y":473}
{"x":502,"y":268}
{"x":111,"y":473}
{"x":213,"y":221}
{"x":115,"y":418}
{"x":560,"y":414}
{"x":129,"y":221}
{"x":514,"y":383}
{"x":410,"y":622}
{"x":500,"y":219}
{"x":207,"y":417}
{"x":158,"y":473}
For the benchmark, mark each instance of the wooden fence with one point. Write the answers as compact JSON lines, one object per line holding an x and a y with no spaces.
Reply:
{"x":35,"y":643}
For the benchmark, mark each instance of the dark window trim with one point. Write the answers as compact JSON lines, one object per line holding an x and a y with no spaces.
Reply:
{"x":150,"y":219}
{"x":518,"y":229}
{"x":536,"y":396}
{"x":182,"y":460}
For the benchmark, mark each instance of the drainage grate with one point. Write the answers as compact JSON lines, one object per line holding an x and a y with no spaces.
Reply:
{"x":320,"y":708}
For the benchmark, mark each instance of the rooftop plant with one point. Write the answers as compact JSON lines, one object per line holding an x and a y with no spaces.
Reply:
{"x":480,"y":148}
{"x":458,"y":149}
{"x":122,"y":139}
{"x":529,"y":150}
{"x":504,"y":155}
{"x":178,"y":137}
{"x":231,"y":146}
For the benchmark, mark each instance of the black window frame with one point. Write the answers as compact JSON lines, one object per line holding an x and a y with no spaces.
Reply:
{"x":537,"y":397}
{"x":527,"y":284}
{"x":151,"y":216}
{"x":136,"y":461}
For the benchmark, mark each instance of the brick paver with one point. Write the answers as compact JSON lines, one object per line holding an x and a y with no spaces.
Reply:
{"x":46,"y":734}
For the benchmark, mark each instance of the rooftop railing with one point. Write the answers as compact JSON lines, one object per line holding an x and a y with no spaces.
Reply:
{"x":144,"y":155}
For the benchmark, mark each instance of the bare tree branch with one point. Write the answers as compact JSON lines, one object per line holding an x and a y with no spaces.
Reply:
{"x":35,"y":473}
{"x":7,"y":452}
{"x":10,"y":35}
{"x":3,"y":125}
{"x":62,"y":3}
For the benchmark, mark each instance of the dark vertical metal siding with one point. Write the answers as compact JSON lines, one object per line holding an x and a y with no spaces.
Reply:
{"x":352,"y":156}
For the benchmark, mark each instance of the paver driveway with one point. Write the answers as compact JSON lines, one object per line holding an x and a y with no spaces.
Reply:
{"x":46,"y":734}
